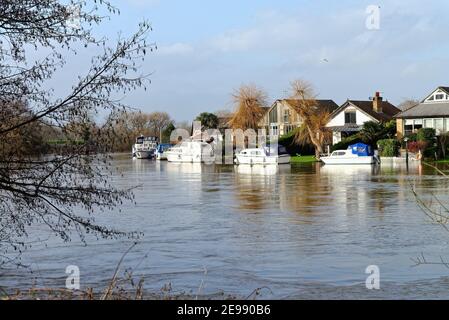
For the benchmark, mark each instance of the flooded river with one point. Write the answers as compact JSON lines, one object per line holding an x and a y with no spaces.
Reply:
{"x":300,"y":231}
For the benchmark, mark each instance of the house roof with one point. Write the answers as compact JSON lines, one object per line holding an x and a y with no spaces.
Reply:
{"x":427,"y":109}
{"x":223,"y":122}
{"x":388,"y":110}
{"x":423,"y":110}
{"x":346,"y":128}
{"x":328,"y":105}
{"x":444,"y":89}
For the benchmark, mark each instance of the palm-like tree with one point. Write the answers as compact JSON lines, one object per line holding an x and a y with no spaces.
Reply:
{"x":208,"y":120}
{"x":313,"y":129}
{"x":371,"y":132}
{"x":250,"y":102}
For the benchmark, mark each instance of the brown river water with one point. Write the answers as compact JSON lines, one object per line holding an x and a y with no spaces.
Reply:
{"x":301,"y":231}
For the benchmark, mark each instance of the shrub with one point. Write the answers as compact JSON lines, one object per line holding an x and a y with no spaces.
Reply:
{"x":288,"y":141}
{"x":416,"y":146}
{"x":427,"y":135}
{"x":346,"y":142}
{"x":389,"y":147}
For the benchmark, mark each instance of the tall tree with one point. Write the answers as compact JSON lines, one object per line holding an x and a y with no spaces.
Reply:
{"x":408,"y":103}
{"x":46,"y":189}
{"x":249,"y":103}
{"x":157,"y":122}
{"x":314,"y":119}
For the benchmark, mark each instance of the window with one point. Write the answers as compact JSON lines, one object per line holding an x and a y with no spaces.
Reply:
{"x":428,"y":123}
{"x":286,"y":116}
{"x":350,"y":117}
{"x":288,"y":129}
{"x":439,"y":126}
{"x":274,"y":130}
{"x":439,"y":96}
{"x":408,"y":128}
{"x":273,"y":116}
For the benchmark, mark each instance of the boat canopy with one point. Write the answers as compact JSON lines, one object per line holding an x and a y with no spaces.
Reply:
{"x":164,"y":147}
{"x":281,"y":150}
{"x":361,"y":149}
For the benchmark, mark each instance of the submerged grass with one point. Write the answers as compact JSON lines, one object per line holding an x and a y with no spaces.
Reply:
{"x":303,"y":159}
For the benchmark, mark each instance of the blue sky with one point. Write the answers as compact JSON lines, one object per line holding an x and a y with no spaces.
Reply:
{"x":208,"y":48}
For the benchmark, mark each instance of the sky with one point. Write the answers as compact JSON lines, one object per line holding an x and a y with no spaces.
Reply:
{"x":208,"y":48}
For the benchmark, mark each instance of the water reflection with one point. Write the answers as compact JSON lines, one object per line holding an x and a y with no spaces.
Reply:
{"x":297,"y":229}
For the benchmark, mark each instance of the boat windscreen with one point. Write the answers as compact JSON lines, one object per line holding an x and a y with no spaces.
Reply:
{"x":282,"y":150}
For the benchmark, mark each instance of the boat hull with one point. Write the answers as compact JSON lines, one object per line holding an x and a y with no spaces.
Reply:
{"x":183,"y":158}
{"x":161,"y":156}
{"x":348,"y":160}
{"x":263,"y":160}
{"x":143,"y":154}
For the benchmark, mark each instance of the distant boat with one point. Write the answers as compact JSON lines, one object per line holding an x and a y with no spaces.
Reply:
{"x":161,"y":151}
{"x":359,"y":153}
{"x":195,"y":151}
{"x":263,"y":156}
{"x":145,"y":147}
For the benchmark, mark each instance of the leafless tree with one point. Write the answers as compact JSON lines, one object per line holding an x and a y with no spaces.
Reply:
{"x":158,"y":121}
{"x":249,"y":102}
{"x":408,"y":103}
{"x":313,"y":129}
{"x":61,"y":190}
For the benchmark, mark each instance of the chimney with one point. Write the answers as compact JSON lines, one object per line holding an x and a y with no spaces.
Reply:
{"x":377,"y":103}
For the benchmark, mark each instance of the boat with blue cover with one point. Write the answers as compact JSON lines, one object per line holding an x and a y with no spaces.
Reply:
{"x":358,"y":153}
{"x":161,"y":151}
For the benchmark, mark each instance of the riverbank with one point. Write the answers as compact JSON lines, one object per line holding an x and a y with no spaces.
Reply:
{"x":303,"y":159}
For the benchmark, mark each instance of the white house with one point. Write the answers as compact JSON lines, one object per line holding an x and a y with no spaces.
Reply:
{"x":432,"y":112}
{"x":349,"y":118}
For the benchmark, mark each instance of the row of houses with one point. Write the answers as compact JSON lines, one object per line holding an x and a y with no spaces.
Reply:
{"x":348,"y":119}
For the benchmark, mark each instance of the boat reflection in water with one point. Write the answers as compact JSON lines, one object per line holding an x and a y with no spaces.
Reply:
{"x":352,"y":171}
{"x":268,"y":170}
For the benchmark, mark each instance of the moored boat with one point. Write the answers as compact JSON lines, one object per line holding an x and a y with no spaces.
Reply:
{"x":196,"y":151}
{"x":161,"y":151}
{"x":263,"y":156}
{"x":145,"y":147}
{"x":359,"y":153}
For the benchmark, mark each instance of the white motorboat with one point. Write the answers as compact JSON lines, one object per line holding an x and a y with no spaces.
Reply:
{"x":195,"y":151}
{"x":145,"y":147}
{"x":263,"y":156}
{"x":355,"y":154}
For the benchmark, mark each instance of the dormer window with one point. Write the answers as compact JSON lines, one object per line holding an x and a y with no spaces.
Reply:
{"x":438,"y":95}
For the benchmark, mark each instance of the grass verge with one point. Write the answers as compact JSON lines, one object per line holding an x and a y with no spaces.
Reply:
{"x":303,"y":159}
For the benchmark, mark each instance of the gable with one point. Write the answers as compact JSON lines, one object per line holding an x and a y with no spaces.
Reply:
{"x":441,"y":94}
{"x":338,"y":117}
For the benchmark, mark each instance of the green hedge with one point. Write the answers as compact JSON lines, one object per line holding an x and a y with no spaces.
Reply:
{"x":288,"y":141}
{"x":346,"y":142}
{"x":389,"y":147}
